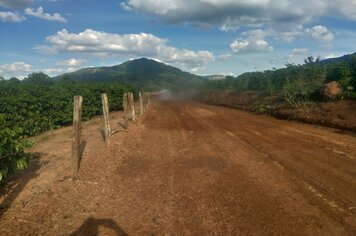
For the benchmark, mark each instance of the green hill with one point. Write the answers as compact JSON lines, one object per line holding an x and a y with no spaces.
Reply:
{"x":142,"y":73}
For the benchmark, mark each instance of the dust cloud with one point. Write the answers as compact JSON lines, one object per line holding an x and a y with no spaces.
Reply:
{"x":168,"y":95}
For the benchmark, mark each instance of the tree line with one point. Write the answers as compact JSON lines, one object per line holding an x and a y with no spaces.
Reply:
{"x":307,"y":78}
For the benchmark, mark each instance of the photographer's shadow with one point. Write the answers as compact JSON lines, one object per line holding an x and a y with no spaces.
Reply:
{"x":90,"y":227}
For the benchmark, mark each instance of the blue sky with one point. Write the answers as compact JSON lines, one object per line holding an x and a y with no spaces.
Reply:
{"x":201,"y":36}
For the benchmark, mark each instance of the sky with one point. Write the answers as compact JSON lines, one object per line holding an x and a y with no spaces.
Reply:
{"x":204,"y":37}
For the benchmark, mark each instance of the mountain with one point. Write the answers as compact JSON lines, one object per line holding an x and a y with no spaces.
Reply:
{"x":345,"y":58}
{"x":142,"y":73}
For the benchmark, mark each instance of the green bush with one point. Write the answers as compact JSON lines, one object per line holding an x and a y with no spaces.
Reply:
{"x":300,"y":93}
{"x":38,"y":104}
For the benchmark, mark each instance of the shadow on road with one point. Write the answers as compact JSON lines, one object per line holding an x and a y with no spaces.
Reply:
{"x":90,"y":227}
{"x":18,"y":182}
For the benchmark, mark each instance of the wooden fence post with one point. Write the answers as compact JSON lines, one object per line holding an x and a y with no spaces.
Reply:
{"x":77,"y":127}
{"x":125,"y":105}
{"x":141,"y":105}
{"x":107,"y":130}
{"x":129,"y":107}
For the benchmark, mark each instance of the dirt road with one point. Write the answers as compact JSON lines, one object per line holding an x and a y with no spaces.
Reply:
{"x":189,"y":169}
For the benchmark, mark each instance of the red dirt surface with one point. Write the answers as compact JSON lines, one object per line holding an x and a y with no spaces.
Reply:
{"x":188,"y":169}
{"x":337,"y":114}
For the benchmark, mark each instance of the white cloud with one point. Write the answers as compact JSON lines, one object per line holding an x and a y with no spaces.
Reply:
{"x":57,"y":71}
{"x":287,"y":33}
{"x":320,"y":33}
{"x":250,"y":45}
{"x":253,"y":41}
{"x":330,"y":56}
{"x":71,"y":62}
{"x":14,"y":3}
{"x":125,"y":6}
{"x":11,"y":16}
{"x":227,"y":73}
{"x":53,"y":71}
{"x":224,"y":57}
{"x":46,"y":16}
{"x":343,"y":8}
{"x":22,"y":69}
{"x":256,"y":40}
{"x":300,"y":51}
{"x":15,"y":67}
{"x":230,"y":14}
{"x":103,"y":44}
{"x":152,"y":6}
{"x":18,"y":69}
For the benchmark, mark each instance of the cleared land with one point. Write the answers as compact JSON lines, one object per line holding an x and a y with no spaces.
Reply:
{"x":189,"y":169}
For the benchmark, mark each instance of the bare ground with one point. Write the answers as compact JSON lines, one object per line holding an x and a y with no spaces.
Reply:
{"x":339,"y":114}
{"x":188,"y":169}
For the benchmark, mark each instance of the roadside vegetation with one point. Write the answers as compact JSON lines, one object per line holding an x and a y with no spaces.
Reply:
{"x":37,"y":104}
{"x":299,"y":85}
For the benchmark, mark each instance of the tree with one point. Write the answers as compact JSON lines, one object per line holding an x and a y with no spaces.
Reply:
{"x":39,"y":78}
{"x":338,"y":72}
{"x":2,"y":78}
{"x":352,"y":65}
{"x":310,"y":60}
{"x":14,"y":80}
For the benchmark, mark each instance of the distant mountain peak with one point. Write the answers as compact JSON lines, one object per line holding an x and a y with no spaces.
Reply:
{"x":141,"y":72}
